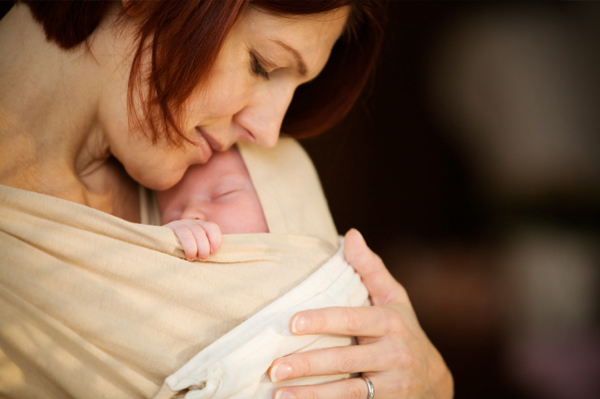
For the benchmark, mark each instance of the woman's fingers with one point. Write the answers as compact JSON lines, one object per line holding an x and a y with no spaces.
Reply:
{"x":394,"y":351}
{"x":332,"y":361}
{"x":382,"y":286}
{"x":358,"y":322}
{"x":353,"y":388}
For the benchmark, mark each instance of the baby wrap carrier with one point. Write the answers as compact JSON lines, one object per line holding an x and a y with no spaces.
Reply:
{"x":92,"y":306}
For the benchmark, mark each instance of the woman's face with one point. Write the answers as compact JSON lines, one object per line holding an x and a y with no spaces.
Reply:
{"x":263,"y":60}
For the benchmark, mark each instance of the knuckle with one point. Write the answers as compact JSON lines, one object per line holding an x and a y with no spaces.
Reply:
{"x":404,"y":358}
{"x":184,"y":230}
{"x":403,"y":385}
{"x":351,"y":320}
{"x":304,"y":367}
{"x":199,"y":231}
{"x":351,"y":391}
{"x":398,"y":386}
{"x":346,"y":361}
{"x":211,"y":225}
{"x":202,"y":241}
{"x":397,"y":325}
{"x":187,"y":238}
{"x":317,"y":322}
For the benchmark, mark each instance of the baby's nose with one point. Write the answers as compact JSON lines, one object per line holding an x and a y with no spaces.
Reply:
{"x":193,"y":212}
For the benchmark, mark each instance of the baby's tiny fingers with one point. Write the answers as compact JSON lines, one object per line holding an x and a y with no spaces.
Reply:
{"x":187,"y":240}
{"x":213,"y":231}
{"x":202,"y":242}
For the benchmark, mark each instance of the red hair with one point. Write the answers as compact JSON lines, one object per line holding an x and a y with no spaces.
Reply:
{"x":184,"y":38}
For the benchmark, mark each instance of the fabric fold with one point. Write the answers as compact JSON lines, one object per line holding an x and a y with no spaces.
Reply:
{"x":102,"y":308}
{"x":235,"y":365}
{"x":92,"y":306}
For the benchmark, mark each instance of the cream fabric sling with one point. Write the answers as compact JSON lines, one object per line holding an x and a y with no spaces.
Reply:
{"x":92,"y":306}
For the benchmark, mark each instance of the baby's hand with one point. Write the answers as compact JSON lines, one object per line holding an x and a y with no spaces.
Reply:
{"x":198,"y":238}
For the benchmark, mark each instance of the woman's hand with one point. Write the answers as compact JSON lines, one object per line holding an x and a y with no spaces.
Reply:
{"x":393,"y":351}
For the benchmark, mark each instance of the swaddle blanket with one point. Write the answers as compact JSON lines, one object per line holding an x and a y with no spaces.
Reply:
{"x":92,"y":306}
{"x":235,"y":365}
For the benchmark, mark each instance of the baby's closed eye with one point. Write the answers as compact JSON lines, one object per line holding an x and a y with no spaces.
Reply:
{"x":225,"y":193}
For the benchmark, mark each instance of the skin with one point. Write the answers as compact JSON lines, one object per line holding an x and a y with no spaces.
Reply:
{"x":400,"y":359}
{"x":64,"y":132}
{"x":63,"y":114}
{"x":212,"y":199}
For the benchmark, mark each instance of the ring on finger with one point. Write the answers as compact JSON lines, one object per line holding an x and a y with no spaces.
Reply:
{"x":371,"y":393}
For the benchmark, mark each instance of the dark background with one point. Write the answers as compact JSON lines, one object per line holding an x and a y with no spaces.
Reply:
{"x":392,"y":172}
{"x":395,"y":170}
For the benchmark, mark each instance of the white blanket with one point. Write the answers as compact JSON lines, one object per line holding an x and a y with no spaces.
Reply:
{"x":235,"y":365}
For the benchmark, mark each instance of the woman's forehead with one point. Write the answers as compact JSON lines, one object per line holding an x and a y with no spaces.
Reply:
{"x":308,"y":37}
{"x":329,"y":23}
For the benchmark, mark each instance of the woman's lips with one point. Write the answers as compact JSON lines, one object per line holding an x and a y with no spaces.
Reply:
{"x":204,"y":144}
{"x":212,"y":143}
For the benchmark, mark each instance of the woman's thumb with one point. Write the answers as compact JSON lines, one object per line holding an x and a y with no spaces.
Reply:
{"x":379,"y":282}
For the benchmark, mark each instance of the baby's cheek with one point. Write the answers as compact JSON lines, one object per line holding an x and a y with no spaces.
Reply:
{"x":253,"y":221}
{"x":261,"y":224}
{"x":168,"y":216}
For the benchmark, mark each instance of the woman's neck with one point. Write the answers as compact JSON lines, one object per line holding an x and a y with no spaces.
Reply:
{"x":50,"y":139}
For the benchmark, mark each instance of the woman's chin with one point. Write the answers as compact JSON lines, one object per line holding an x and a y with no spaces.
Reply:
{"x":159,"y":183}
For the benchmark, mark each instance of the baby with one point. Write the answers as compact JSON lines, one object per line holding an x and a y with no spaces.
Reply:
{"x":210,"y":200}
{"x":219,"y":197}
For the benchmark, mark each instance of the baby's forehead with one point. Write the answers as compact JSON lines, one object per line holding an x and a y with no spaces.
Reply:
{"x":223,"y":169}
{"x":227,"y":164}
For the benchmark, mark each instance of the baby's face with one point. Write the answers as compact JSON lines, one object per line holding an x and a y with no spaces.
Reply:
{"x":219,"y":191}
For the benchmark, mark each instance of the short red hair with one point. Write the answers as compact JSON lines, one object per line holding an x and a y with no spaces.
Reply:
{"x":187,"y":36}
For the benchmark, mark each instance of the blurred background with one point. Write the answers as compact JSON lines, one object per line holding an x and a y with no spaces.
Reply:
{"x":472,"y":167}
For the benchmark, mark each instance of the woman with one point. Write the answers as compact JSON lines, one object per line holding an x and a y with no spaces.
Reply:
{"x":136,"y":92}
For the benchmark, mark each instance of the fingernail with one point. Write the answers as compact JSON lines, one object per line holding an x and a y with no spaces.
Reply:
{"x":300,"y":324}
{"x":280,"y":372}
{"x":284,"y":395}
{"x":359,"y":233}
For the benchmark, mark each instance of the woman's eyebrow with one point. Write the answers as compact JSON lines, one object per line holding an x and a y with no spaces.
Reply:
{"x":300,"y":64}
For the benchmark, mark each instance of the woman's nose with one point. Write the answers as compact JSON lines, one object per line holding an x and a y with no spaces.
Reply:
{"x":193,"y":211}
{"x":264,"y":115}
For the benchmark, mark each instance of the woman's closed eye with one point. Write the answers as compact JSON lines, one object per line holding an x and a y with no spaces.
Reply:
{"x":257,"y":67}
